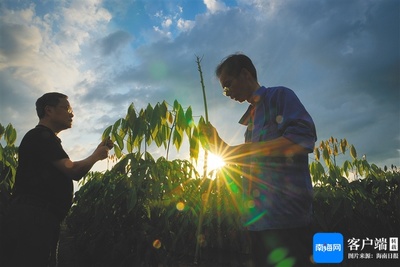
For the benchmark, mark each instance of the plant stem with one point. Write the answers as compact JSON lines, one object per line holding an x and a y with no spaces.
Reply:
{"x":201,"y":217}
{"x":198,"y":61}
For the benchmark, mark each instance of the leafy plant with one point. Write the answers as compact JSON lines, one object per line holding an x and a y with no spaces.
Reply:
{"x":8,"y":164}
{"x":154,"y":125}
{"x":147,"y":211}
{"x":355,"y":198}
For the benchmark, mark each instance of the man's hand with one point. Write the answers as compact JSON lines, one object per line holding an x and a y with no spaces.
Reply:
{"x":77,"y":169}
{"x":209,"y":137}
{"x":102,"y":149}
{"x":108,"y":143}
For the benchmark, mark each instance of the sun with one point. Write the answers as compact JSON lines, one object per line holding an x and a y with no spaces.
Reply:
{"x":215,"y":162}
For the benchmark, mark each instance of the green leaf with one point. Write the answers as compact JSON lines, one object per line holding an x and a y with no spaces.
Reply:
{"x":189,"y":121}
{"x":334,"y":174}
{"x":155,"y":121}
{"x":366,"y":167}
{"x":335,"y":150}
{"x":317,"y":154}
{"x":325,"y":155}
{"x":177,"y":139}
{"x":131,"y":109}
{"x":156,"y":116}
{"x":194,"y":144}
{"x":1,"y":153}
{"x":10,"y":135}
{"x":148,"y":113}
{"x":117,"y":151}
{"x":106,"y":133}
{"x":343,"y":145}
{"x":164,"y":111}
{"x":2,"y":130}
{"x":131,"y":116}
{"x":176,"y":105}
{"x":124,"y":126}
{"x":137,"y":128}
{"x":116,"y":125}
{"x":353,"y":152}
{"x":189,"y":116}
{"x":346,"y":167}
{"x":170,"y":117}
{"x":129,"y":143}
{"x":119,"y":140}
{"x":180,"y":119}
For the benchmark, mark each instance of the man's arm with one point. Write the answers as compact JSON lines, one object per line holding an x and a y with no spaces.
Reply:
{"x":75,"y":170}
{"x":279,"y":147}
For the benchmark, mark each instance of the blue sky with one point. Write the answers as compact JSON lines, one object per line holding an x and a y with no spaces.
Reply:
{"x":340,"y":57}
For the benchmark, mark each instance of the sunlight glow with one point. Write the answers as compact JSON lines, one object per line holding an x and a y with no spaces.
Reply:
{"x":215,"y":162}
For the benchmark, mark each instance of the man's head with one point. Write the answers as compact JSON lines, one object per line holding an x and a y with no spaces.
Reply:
{"x":233,"y":65}
{"x":238,"y":77}
{"x":54,"y":111}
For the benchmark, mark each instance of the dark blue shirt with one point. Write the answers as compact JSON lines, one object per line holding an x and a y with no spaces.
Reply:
{"x":277,"y":190}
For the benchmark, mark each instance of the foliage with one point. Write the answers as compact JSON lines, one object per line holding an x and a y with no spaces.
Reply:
{"x":150,"y":212}
{"x":367,"y":203}
{"x":147,"y":211}
{"x":8,"y":164}
{"x":154,"y":125}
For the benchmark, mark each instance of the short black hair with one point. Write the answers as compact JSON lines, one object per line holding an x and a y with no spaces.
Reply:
{"x":233,"y":65}
{"x":48,"y":99}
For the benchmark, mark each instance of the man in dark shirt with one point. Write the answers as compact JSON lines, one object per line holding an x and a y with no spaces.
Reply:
{"x":43,"y":189}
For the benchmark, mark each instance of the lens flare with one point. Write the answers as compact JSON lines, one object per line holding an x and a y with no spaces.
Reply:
{"x":251,"y":204}
{"x":277,"y":255}
{"x":279,"y":119}
{"x":288,"y":262}
{"x":157,"y":244}
{"x":202,"y":240}
{"x":254,"y":219}
{"x":256,"y":193}
{"x":180,"y":206}
{"x":158,"y":70}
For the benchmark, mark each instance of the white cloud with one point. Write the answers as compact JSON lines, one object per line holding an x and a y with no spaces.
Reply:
{"x":161,"y":33}
{"x":85,"y":14}
{"x":42,"y":54}
{"x":167,"y":23}
{"x":214,"y":6}
{"x":185,"y":25}
{"x":79,"y":21}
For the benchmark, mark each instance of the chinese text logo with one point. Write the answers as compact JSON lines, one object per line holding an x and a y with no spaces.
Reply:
{"x":328,"y":248}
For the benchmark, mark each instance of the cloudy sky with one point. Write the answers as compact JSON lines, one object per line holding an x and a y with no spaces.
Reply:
{"x":340,"y":57}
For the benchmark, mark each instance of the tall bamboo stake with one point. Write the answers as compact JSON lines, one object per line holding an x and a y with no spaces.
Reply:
{"x":199,"y":227}
{"x":198,"y":61}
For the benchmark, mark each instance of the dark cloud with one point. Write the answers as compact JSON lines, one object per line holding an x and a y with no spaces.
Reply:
{"x":114,"y":41}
